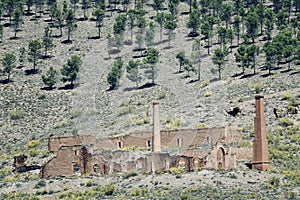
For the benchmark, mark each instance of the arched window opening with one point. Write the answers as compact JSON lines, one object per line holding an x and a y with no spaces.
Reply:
{"x":96,"y":169}
{"x":76,"y":169}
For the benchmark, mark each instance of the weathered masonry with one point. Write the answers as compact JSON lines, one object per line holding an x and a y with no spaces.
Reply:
{"x":159,"y":150}
{"x":260,"y":144}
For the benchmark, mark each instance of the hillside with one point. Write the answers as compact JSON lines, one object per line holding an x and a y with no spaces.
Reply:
{"x":31,"y":113}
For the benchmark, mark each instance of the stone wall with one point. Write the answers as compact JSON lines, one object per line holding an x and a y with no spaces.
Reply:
{"x":63,"y":164}
{"x":243,"y":153}
{"x":188,"y":149}
{"x":169,"y":139}
{"x":55,"y":143}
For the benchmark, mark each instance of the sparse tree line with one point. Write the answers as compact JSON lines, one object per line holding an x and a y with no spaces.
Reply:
{"x":254,"y":28}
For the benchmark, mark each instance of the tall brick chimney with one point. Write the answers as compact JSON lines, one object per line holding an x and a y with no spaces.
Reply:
{"x":156,"y":143}
{"x":260,"y":143}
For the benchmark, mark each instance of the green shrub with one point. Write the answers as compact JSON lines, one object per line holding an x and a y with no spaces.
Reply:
{"x":129,"y":174}
{"x":33,"y":152}
{"x":293,"y":130}
{"x":201,"y":125}
{"x":273,"y":182}
{"x":175,"y":170}
{"x":124,"y":110}
{"x":162,"y":94}
{"x":139,"y":192}
{"x":41,"y":183}
{"x":207,"y":94}
{"x":286,"y":96}
{"x":174,"y":124}
{"x":33,"y":144}
{"x":204,"y":83}
{"x":89,"y":183}
{"x":257,"y":87}
{"x":109,"y":189}
{"x":75,"y":113}
{"x":245,"y":143}
{"x":16,"y":113}
{"x":292,"y":109}
{"x":285,"y":122}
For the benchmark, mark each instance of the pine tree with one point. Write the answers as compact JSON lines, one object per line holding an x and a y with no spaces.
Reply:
{"x":181,"y":58}
{"x":151,"y":60}
{"x":34,"y":48}
{"x":160,"y":19}
{"x":131,"y":17}
{"x":50,"y":78}
{"x":47,"y":40}
{"x":8,"y":63}
{"x":71,"y":69}
{"x":170,"y":25}
{"x":196,"y":55}
{"x":99,"y":14}
{"x":70,"y":23}
{"x":132,"y":70}
{"x":115,"y":74}
{"x":252,"y":22}
{"x":150,"y":34}
{"x":194,"y":22}
{"x":219,"y":59}
{"x":17,"y":20}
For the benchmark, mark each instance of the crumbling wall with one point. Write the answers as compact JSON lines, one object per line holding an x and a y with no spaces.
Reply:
{"x":232,"y":135}
{"x":221,"y":158}
{"x":243,"y":153}
{"x":55,"y":143}
{"x":63,"y":164}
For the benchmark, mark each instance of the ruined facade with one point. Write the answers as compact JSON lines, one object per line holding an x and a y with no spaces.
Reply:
{"x":188,"y":149}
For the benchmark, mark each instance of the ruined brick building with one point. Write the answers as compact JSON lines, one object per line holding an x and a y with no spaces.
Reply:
{"x":159,"y":150}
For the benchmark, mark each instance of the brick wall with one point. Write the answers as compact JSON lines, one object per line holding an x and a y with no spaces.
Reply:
{"x":62,"y":164}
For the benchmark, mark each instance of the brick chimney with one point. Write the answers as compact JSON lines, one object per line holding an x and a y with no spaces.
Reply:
{"x":260,"y":143}
{"x":156,"y":141}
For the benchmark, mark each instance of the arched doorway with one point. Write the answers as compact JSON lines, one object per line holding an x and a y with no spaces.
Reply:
{"x":96,"y":169}
{"x":76,"y":169}
{"x":221,"y":158}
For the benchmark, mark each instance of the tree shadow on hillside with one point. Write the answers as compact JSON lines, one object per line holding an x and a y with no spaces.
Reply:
{"x":293,"y":73}
{"x":237,"y":75}
{"x":45,"y":57}
{"x":56,"y":36}
{"x":192,"y":81}
{"x":285,"y":71}
{"x":93,"y":19}
{"x":66,"y":41}
{"x":82,"y":19}
{"x":146,"y":85}
{"x":69,"y":86}
{"x":128,"y":42}
{"x":29,"y":13}
{"x":48,"y":20}
{"x":31,"y":71}
{"x":167,"y":47}
{"x":5,"y":81}
{"x":6,"y":24}
{"x":185,"y":13}
{"x":94,"y":38}
{"x":178,"y":72}
{"x":214,"y":80}
{"x":13,"y":38}
{"x":247,"y":76}
{"x":266,"y":75}
{"x":115,"y":51}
